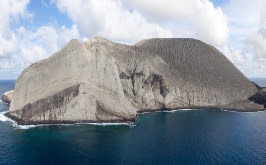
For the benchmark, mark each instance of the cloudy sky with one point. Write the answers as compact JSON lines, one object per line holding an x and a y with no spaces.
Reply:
{"x":34,"y":30}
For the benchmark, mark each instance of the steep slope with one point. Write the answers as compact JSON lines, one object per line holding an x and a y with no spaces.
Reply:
{"x":104,"y":81}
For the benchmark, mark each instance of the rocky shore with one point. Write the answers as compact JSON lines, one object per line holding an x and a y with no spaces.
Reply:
{"x":243,"y":106}
{"x":134,"y":121}
{"x":23,"y":122}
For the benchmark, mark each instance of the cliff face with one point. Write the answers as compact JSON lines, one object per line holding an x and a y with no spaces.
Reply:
{"x":103,"y":81}
{"x":74,"y":84}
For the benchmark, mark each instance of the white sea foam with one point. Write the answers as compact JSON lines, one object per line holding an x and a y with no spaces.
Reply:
{"x":74,"y":124}
{"x":143,"y":113}
{"x":109,"y":124}
{"x":226,"y":110}
{"x":167,"y":111}
{"x":25,"y":126}
{"x":186,"y":109}
{"x":171,"y":111}
{"x":38,"y":125}
{"x":16,"y":126}
{"x":3,"y":118}
{"x":1,"y":101}
{"x":176,"y":110}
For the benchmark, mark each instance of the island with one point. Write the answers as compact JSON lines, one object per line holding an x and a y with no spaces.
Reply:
{"x":103,"y":81}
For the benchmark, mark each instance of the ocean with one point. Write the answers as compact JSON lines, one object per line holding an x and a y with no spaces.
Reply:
{"x":204,"y":136}
{"x":260,"y":81}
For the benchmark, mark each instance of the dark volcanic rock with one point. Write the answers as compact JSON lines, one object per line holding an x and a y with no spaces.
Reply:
{"x":259,"y":98}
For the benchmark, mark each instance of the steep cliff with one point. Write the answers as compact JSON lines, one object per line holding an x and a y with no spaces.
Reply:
{"x":103,"y":81}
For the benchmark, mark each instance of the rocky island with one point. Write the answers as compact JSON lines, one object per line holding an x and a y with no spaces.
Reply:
{"x":102,"y":81}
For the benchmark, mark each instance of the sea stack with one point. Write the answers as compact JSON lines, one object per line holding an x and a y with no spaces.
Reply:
{"x":102,"y":81}
{"x":7,"y":96}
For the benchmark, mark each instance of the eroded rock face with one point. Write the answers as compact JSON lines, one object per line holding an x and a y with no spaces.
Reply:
{"x":7,"y":96}
{"x":103,"y":81}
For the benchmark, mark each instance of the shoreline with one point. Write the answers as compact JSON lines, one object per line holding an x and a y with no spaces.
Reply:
{"x":1,"y":101}
{"x":198,"y":108}
{"x":54,"y":122}
{"x":125,"y":122}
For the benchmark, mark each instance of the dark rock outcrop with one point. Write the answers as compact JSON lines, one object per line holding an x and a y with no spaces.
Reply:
{"x":259,"y":98}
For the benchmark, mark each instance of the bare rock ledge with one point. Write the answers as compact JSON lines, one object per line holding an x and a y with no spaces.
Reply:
{"x":102,"y":81}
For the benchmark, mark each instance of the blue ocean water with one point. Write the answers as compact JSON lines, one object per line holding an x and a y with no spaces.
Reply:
{"x":6,"y":85}
{"x":260,"y":81}
{"x":183,"y":137}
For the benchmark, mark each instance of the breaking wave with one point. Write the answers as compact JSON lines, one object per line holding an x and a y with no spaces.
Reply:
{"x":5,"y":119}
{"x":176,"y":110}
{"x":167,"y":111}
{"x":225,"y":110}
{"x":1,"y":101}
{"x":109,"y":124}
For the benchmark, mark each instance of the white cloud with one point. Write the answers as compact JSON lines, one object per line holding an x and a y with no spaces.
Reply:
{"x":46,"y":40}
{"x":203,"y":21}
{"x":239,"y":58}
{"x":133,"y":20}
{"x":255,"y":46}
{"x":247,"y":20}
{"x":21,"y":47}
{"x":241,"y":22}
{"x":245,"y":62}
{"x":109,"y":19}
{"x":10,"y":10}
{"x":49,"y":37}
{"x":164,"y":10}
{"x":256,"y":43}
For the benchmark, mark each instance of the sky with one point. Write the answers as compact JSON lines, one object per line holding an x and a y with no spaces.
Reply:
{"x":32,"y":30}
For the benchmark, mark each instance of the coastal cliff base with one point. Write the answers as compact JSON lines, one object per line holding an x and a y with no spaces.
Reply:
{"x":241,"y":106}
